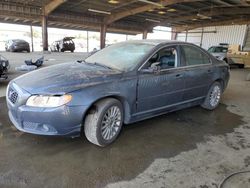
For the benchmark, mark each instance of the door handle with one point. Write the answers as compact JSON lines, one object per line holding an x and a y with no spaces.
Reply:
{"x":209,"y":71}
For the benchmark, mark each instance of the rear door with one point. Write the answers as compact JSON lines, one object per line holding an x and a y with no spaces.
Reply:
{"x":198,"y":72}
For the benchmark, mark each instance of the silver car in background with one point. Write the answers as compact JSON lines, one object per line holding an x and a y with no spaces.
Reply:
{"x":220,"y":52}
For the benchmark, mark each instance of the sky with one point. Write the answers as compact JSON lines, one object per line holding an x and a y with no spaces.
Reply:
{"x":14,"y":31}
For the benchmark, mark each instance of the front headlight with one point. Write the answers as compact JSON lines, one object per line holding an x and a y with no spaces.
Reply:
{"x":48,"y":101}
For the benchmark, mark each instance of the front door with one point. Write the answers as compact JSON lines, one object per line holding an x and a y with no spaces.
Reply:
{"x":163,"y":88}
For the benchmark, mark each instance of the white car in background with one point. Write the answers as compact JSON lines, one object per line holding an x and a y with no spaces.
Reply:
{"x":220,"y":52}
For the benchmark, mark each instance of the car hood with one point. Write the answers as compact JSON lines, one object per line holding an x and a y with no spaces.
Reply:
{"x":65,"y":78}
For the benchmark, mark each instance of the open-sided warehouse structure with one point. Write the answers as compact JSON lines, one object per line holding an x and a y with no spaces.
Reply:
{"x":120,"y":16}
{"x":94,"y":96}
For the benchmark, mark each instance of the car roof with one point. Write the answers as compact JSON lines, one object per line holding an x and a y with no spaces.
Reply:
{"x":155,"y":42}
{"x":219,"y":46}
{"x":18,"y":40}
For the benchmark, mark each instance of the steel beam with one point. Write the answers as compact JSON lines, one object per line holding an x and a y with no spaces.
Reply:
{"x":239,"y":21}
{"x":117,"y":16}
{"x":52,"y":5}
{"x":209,"y":13}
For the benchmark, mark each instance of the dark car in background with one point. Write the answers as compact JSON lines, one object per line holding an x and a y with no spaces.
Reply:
{"x":120,"y":84}
{"x":4,"y":66}
{"x":66,"y":44}
{"x":17,"y":45}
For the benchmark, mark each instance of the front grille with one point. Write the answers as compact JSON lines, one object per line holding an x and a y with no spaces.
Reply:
{"x":13,"y":96}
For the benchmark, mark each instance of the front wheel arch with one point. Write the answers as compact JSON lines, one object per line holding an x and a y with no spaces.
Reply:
{"x":122,"y":100}
{"x":93,"y":122}
{"x":221,"y":82}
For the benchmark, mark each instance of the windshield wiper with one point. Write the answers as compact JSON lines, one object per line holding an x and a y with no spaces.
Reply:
{"x":95,"y":63}
{"x":81,"y":61}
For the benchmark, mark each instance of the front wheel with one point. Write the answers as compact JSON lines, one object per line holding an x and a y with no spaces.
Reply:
{"x":213,"y":97}
{"x":104,"y":122}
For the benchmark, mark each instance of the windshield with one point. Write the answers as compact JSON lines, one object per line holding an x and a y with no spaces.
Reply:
{"x":121,"y":56}
{"x":218,"y":49}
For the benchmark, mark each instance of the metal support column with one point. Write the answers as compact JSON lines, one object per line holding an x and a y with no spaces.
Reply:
{"x":88,"y":41}
{"x":174,"y":35}
{"x":202,"y":32}
{"x":45,"y":32}
{"x":144,"y":34}
{"x":186,"y":36}
{"x":31,"y":37}
{"x":103,"y":36}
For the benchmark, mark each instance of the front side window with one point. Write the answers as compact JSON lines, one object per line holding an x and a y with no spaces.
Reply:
{"x":165,"y":58}
{"x":195,"y":56}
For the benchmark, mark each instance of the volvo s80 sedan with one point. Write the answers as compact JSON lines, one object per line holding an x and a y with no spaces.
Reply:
{"x":121,"y":84}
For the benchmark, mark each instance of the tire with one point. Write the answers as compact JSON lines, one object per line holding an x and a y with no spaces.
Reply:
{"x":241,"y":66}
{"x":62,"y":50}
{"x":94,"y":124}
{"x":213,"y":97}
{"x":72,"y":51}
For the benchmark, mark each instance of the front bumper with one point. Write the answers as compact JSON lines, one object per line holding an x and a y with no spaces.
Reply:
{"x":62,"y":121}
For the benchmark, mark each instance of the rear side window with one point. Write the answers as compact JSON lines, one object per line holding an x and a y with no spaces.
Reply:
{"x":194,"y":56}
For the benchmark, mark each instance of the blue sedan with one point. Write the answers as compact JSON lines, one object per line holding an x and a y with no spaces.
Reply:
{"x":123,"y":83}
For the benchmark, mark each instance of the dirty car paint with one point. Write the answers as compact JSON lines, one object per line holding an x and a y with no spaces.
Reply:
{"x":143,"y":95}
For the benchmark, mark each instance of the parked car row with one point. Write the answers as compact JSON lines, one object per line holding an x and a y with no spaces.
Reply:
{"x":19,"y":45}
{"x":222,"y":52}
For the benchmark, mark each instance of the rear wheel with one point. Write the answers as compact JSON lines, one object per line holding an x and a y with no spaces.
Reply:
{"x":104,"y":122}
{"x":241,"y":66}
{"x":213,"y":97}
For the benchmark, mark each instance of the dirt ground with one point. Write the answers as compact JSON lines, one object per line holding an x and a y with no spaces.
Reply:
{"x":191,"y":148}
